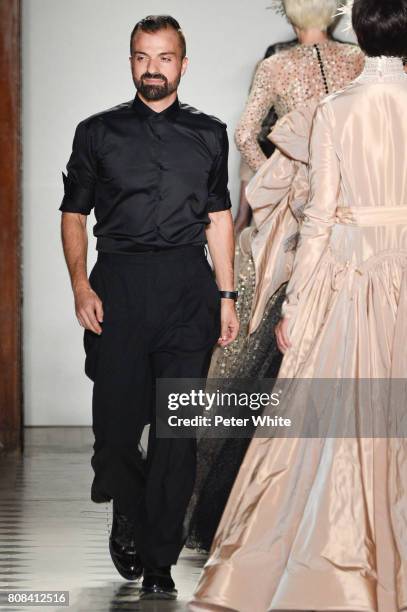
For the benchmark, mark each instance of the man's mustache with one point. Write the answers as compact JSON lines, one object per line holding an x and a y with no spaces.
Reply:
{"x":153,"y":75}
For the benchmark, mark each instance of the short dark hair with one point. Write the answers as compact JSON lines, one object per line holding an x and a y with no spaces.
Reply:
{"x":381,"y":26}
{"x":154,"y":23}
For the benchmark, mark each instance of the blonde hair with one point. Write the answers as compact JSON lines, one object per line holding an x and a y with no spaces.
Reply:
{"x":307,"y":14}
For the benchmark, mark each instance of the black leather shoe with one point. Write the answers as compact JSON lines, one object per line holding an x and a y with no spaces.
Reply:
{"x":158,"y":584}
{"x":122,"y":546}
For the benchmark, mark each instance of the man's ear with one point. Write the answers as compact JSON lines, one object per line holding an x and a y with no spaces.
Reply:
{"x":185,"y":63}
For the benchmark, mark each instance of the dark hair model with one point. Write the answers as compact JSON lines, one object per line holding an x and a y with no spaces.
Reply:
{"x":381,"y":26}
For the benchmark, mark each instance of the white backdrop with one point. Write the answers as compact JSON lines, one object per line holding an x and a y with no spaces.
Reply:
{"x":75,"y":63}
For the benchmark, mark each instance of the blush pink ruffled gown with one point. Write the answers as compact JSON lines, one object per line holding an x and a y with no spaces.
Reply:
{"x":321,"y":523}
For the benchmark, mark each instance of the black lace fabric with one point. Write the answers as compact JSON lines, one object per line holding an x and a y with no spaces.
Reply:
{"x":249,"y":357}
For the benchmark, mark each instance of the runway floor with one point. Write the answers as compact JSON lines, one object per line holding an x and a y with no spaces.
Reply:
{"x":52,"y":537}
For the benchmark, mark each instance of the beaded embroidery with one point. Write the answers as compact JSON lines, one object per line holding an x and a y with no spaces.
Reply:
{"x":287,"y":80}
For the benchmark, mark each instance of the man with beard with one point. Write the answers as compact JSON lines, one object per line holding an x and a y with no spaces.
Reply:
{"x":155,"y":170}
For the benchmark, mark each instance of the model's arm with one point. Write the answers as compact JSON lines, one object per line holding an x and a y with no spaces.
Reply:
{"x":260,"y":101}
{"x":88,"y":306}
{"x":319,"y":217}
{"x":79,"y":186}
{"x":220,"y":235}
{"x":221,"y":244}
{"x":244,"y":212}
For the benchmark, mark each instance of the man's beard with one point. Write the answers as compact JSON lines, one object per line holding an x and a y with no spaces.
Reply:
{"x":156,"y":92}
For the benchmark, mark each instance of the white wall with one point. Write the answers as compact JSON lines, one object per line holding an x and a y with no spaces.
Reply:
{"x":75,"y":63}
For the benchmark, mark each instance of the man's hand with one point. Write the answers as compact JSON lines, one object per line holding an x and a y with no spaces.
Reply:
{"x":229,"y":322}
{"x":89,"y":309}
{"x":281,"y":331}
{"x":88,"y":306}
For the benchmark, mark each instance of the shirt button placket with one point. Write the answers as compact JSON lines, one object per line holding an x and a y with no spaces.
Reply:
{"x":158,"y":150}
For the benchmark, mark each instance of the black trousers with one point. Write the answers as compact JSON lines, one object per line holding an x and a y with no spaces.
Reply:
{"x":161,"y":320}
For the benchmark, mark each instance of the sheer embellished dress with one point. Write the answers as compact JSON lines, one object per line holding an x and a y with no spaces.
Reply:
{"x":294,"y":79}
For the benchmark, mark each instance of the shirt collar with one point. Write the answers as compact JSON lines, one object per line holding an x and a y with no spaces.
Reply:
{"x":145,"y":111}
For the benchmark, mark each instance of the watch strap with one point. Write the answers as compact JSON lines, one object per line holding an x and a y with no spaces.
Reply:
{"x":230,"y":295}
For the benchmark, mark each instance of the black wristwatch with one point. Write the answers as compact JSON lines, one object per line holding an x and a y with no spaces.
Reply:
{"x":229,"y":295}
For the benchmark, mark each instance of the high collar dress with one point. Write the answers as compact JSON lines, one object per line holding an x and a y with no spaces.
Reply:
{"x":319,"y":522}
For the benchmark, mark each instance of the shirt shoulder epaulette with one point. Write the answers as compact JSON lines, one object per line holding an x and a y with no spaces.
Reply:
{"x":114,"y":110}
{"x":201,"y":117}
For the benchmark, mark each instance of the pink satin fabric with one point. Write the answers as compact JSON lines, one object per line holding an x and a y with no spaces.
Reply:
{"x":369,"y":216}
{"x":277,"y":194}
{"x":321,"y":524}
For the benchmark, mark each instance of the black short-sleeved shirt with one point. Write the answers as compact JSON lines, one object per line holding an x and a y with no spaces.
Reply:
{"x":151,"y":177}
